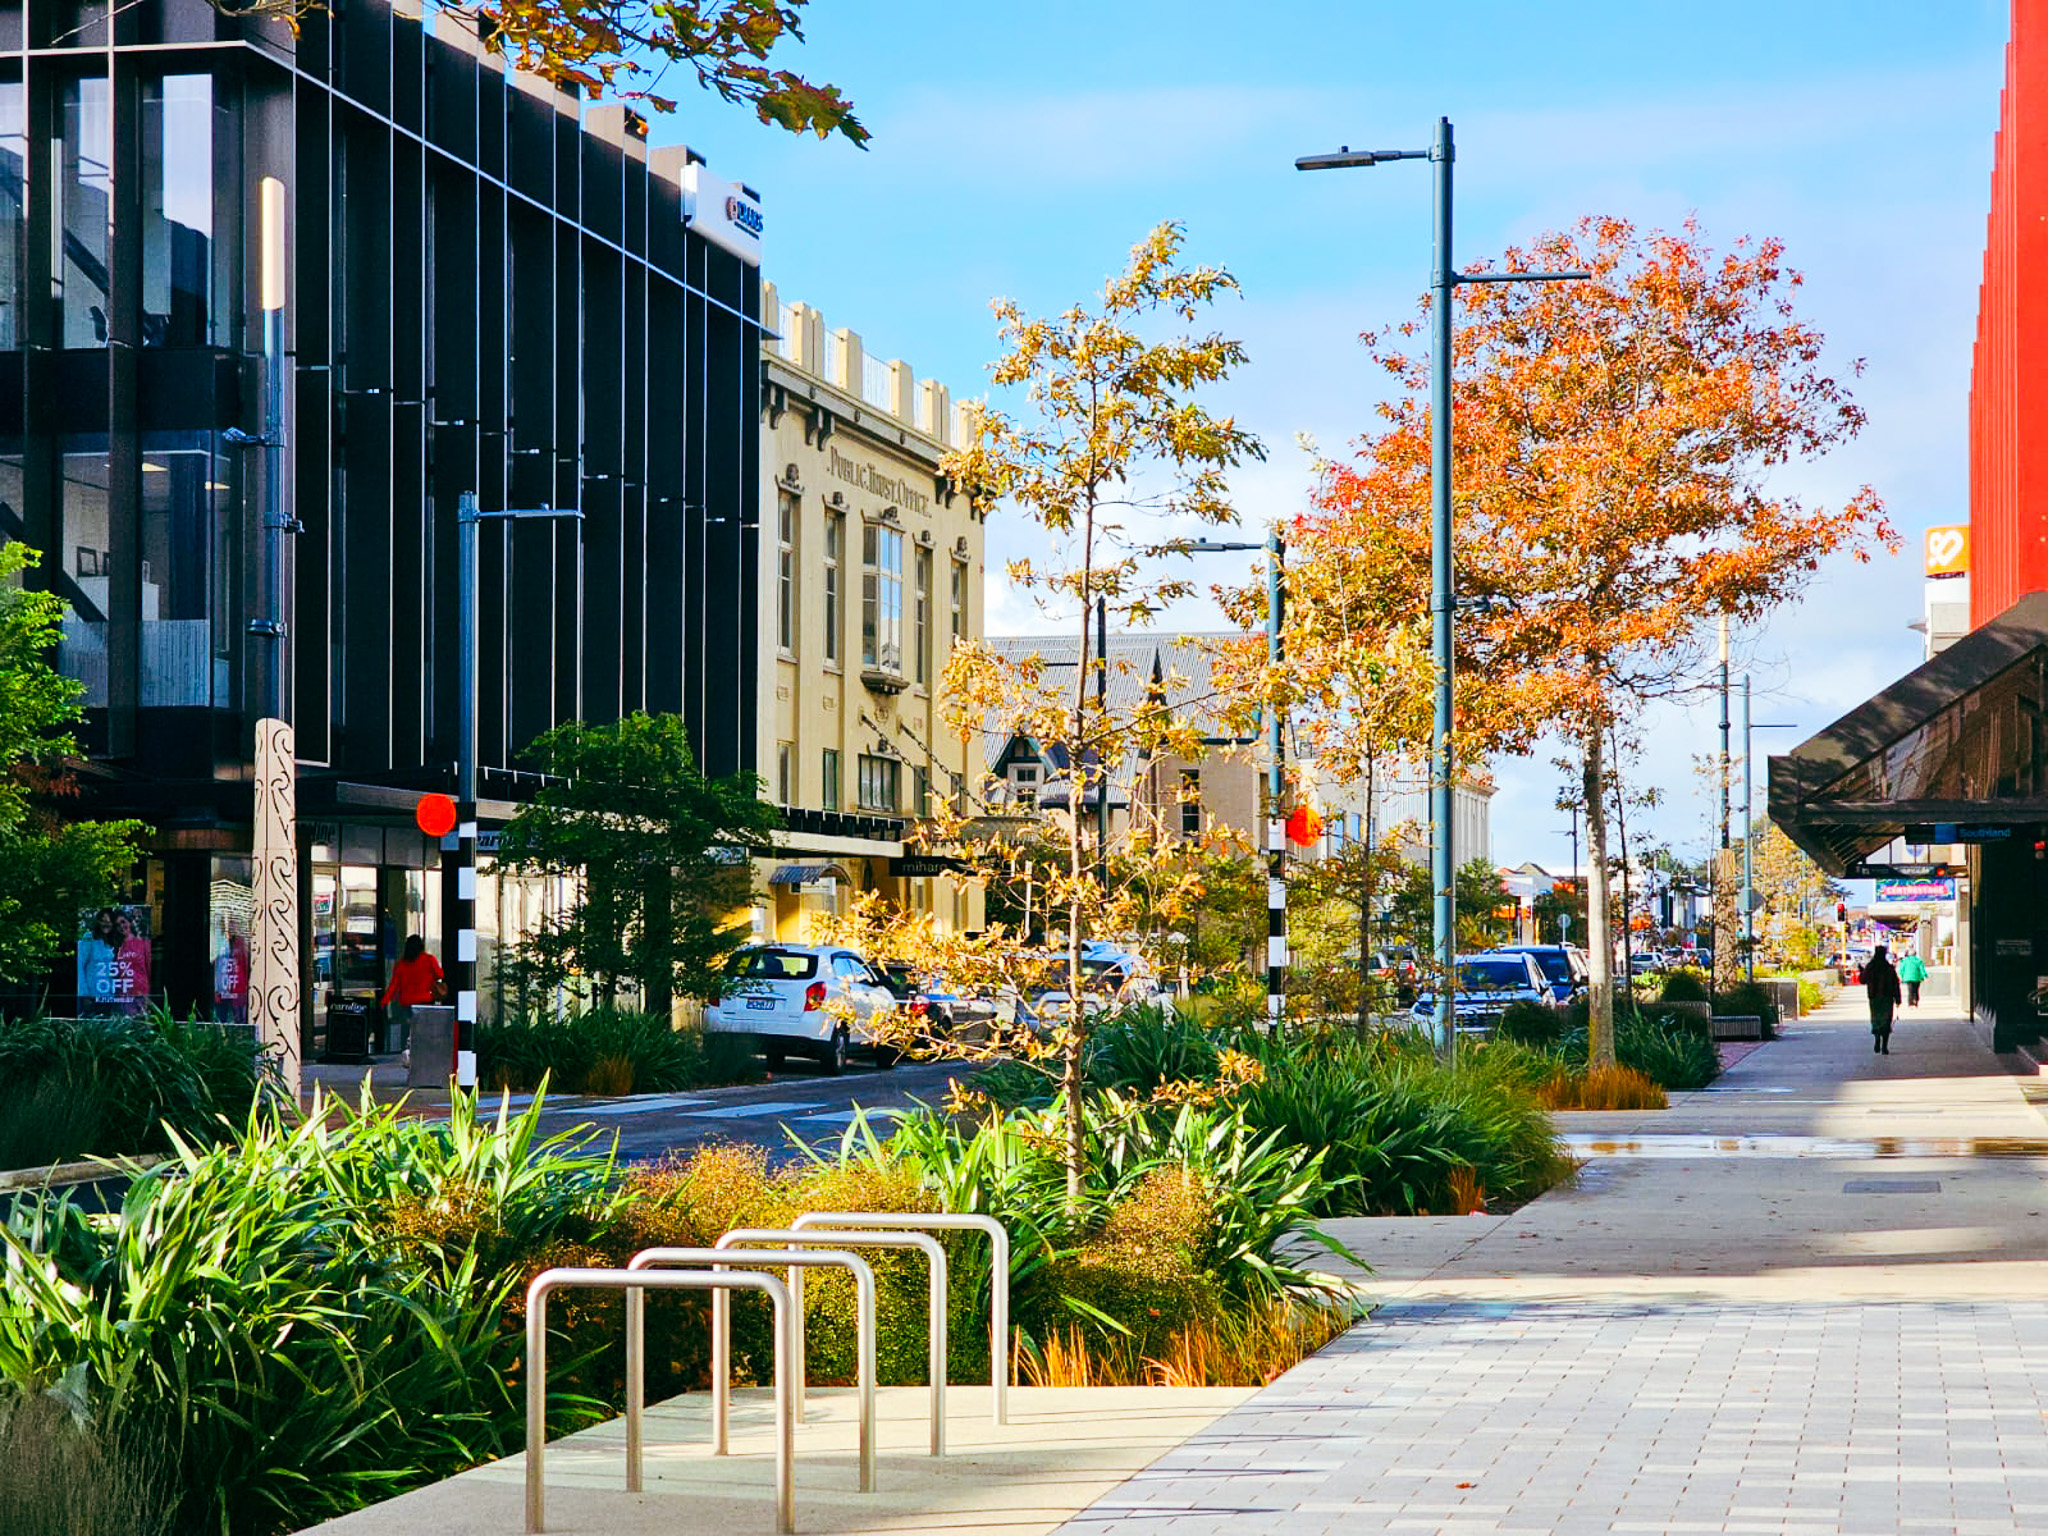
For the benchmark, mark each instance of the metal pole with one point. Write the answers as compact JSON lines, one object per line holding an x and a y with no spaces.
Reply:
{"x":1276,"y":793}
{"x":1748,"y":830}
{"x":1101,"y":761}
{"x":462,"y":967}
{"x":1442,"y":601}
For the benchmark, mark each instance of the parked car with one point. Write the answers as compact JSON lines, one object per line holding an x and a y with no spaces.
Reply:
{"x":935,"y":1007}
{"x":1110,"y":978}
{"x":1487,"y":983}
{"x":1564,"y":967}
{"x":815,"y":1000}
{"x":1644,"y":962}
{"x":1393,"y":968}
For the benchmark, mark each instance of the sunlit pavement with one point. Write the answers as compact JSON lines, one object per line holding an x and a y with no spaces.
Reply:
{"x":1804,"y":1302}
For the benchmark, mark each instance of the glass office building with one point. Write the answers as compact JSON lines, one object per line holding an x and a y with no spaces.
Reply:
{"x":490,"y":288}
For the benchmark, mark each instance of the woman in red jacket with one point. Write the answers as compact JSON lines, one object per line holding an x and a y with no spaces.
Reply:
{"x":415,"y":979}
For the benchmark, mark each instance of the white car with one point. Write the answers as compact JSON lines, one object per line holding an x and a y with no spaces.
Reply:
{"x":1110,"y":979}
{"x":815,"y":1000}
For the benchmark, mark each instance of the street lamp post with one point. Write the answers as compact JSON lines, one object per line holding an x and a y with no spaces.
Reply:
{"x":461,"y":912}
{"x":1276,"y":772}
{"x":1444,"y":280}
{"x":274,"y":980}
{"x":1748,"y":835}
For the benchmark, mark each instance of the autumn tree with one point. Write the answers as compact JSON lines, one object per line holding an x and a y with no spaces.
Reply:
{"x":1617,"y":447}
{"x":1109,"y":452}
{"x":628,"y":49}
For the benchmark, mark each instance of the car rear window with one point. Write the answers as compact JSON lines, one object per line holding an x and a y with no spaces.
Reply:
{"x":774,"y":964}
{"x":1493,"y":974}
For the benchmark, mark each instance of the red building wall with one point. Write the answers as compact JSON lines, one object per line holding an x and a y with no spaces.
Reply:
{"x":2009,"y":372}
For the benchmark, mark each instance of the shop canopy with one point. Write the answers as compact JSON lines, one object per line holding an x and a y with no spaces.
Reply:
{"x":1955,"y":751}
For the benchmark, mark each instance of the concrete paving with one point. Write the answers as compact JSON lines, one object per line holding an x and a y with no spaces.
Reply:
{"x":1062,"y":1450}
{"x":1801,"y":1303}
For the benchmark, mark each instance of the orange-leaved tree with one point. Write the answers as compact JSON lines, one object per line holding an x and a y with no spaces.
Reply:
{"x":1618,"y":444}
{"x":627,"y":48}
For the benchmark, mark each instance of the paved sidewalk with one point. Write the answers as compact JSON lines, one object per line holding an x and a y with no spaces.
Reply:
{"x":1801,"y":1303}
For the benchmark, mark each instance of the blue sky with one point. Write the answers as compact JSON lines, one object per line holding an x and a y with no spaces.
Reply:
{"x":1021,"y":150}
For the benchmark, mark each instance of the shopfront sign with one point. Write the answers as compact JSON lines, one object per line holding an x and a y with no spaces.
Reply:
{"x":1916,"y":891}
{"x":1948,"y":550}
{"x":923,"y":866}
{"x":723,"y":212}
{"x":1960,"y":832}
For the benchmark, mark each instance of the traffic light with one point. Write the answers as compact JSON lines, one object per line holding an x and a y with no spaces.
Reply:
{"x":1841,"y":911}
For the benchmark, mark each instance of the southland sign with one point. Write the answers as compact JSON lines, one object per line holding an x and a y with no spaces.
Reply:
{"x":872,"y":477}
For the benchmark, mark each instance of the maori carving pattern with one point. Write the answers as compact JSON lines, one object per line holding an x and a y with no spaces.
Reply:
{"x":274,"y":967}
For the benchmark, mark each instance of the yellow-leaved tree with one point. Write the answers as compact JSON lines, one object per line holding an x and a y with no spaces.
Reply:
{"x":1617,"y":447}
{"x":1108,"y":452}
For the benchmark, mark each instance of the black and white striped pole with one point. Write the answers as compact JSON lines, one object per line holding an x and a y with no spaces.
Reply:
{"x":462,"y":962}
{"x":1276,"y":772}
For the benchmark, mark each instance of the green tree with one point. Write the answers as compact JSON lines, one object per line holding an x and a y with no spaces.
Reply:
{"x":658,"y":852}
{"x":54,"y":867}
{"x":1480,"y":896}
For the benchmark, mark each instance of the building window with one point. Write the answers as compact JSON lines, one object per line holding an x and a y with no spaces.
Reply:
{"x":881,"y":598}
{"x":1191,"y":802}
{"x":1024,"y":786}
{"x":921,"y":787}
{"x":879,"y":777}
{"x":83,"y":168}
{"x":785,"y":773}
{"x":835,"y":541}
{"x":922,"y":635}
{"x":829,"y":798}
{"x":785,"y":572}
{"x":957,"y":598}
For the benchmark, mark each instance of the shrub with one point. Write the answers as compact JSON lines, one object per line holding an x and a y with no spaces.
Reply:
{"x":607,"y":1051}
{"x":119,"y":1085}
{"x":1674,"y":1057}
{"x":315,"y":1316}
{"x":1602,"y":1088}
{"x":1749,"y":998}
{"x":1684,"y":986}
{"x":1139,"y":1048}
{"x":61,"y":1477}
{"x":1530,"y":1023}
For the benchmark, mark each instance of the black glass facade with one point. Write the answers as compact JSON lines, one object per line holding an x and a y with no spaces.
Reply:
{"x":489,"y":290}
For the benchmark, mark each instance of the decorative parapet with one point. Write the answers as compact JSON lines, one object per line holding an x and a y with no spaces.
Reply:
{"x":841,"y":359}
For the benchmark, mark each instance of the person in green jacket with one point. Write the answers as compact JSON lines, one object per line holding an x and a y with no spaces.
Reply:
{"x":1912,"y":971}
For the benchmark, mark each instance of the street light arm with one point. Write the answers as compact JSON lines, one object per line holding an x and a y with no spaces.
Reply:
{"x":1347,"y":157}
{"x":1519,"y":277}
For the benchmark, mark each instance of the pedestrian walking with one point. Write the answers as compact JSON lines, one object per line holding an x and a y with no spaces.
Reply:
{"x":1912,"y":971}
{"x":1881,"y":986}
{"x":415,"y":979}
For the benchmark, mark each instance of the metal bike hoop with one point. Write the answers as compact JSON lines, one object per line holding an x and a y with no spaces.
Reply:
{"x":999,"y":1275}
{"x":719,"y":1283}
{"x":721,"y":1348}
{"x":935,"y":1256}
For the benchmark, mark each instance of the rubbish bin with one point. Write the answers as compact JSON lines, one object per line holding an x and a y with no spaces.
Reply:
{"x":350,"y":1021}
{"x":433,"y":1046}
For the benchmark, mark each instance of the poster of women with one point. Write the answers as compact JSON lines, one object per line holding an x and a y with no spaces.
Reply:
{"x":113,"y":959}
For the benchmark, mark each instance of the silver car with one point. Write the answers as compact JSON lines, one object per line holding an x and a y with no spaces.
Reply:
{"x":1487,"y":983}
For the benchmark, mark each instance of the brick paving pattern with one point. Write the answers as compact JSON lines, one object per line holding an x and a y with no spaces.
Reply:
{"x":1557,"y":1419}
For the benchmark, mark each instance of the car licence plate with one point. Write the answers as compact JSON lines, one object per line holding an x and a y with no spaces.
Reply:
{"x":760,"y":1002}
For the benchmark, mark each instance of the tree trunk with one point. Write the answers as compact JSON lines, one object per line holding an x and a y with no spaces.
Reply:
{"x":1628,"y":905}
{"x":1077,"y":779}
{"x":1599,"y":941}
{"x":1365,"y":907}
{"x":658,"y":986}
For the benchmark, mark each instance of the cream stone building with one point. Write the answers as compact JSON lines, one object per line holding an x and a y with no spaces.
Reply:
{"x":872,"y":573}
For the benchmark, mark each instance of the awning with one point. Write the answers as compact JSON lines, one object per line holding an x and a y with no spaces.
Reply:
{"x":1957,"y":747}
{"x":804,"y":874}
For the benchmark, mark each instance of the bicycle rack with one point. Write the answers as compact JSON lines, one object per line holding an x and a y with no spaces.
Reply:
{"x":999,"y":1277}
{"x":721,"y":1348}
{"x":719,"y":1283}
{"x":935,"y":1256}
